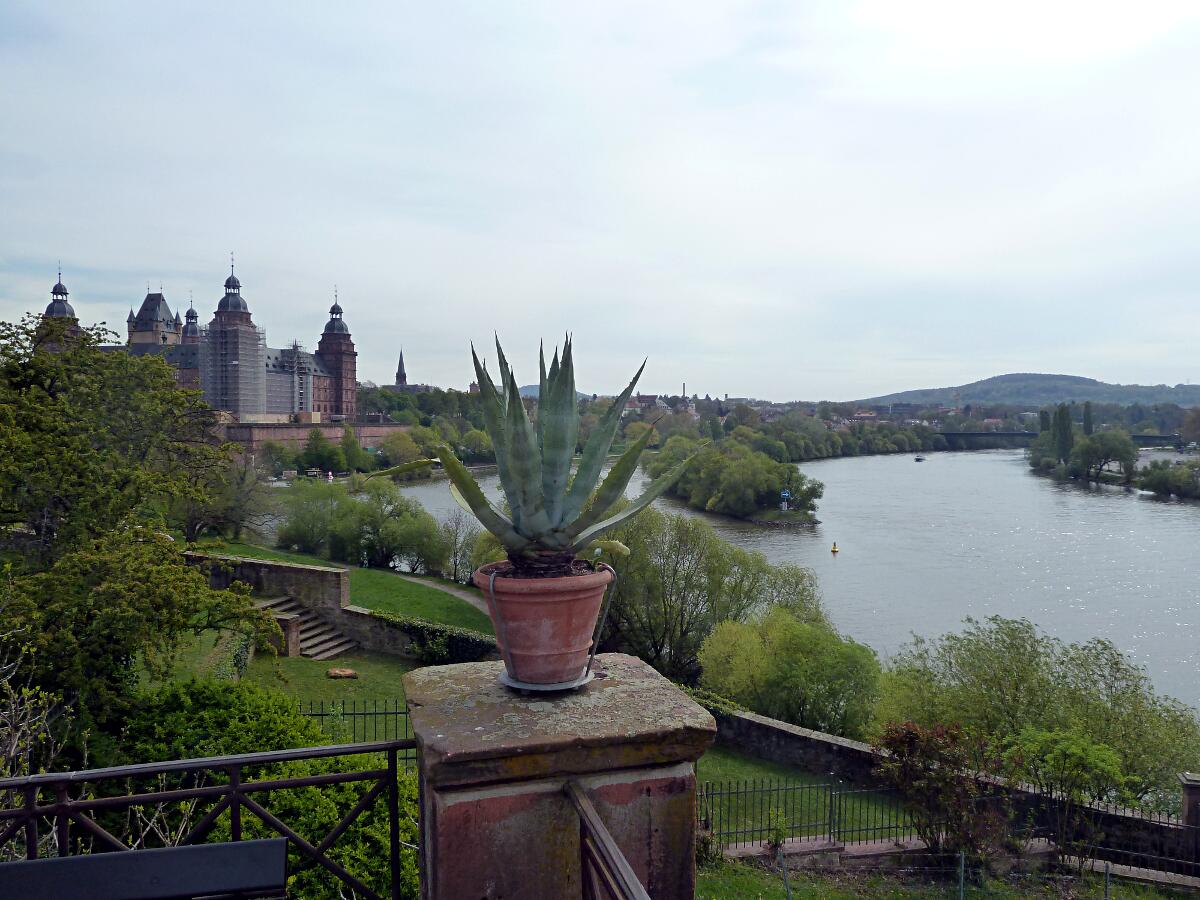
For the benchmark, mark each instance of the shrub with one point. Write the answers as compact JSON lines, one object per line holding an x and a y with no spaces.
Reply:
{"x":208,"y":718}
{"x":460,"y":644}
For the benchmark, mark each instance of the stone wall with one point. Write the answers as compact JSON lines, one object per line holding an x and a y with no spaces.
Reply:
{"x":323,"y":590}
{"x":253,"y":435}
{"x":1130,"y":839}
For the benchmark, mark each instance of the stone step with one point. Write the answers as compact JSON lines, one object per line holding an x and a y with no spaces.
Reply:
{"x":278,"y":604}
{"x":342,"y":646}
{"x":321,"y":644}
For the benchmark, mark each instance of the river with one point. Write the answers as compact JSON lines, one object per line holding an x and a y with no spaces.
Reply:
{"x":977,"y":534}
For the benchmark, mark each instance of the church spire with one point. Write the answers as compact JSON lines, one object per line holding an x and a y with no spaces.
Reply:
{"x":401,"y":376}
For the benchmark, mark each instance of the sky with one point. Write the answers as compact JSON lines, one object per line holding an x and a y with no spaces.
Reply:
{"x":777,"y":200}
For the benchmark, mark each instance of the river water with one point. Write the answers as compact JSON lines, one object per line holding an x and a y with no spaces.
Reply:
{"x":977,"y":534}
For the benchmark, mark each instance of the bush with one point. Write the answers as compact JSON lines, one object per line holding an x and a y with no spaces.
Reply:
{"x":799,"y":671}
{"x":454,"y":645}
{"x":204,"y":718}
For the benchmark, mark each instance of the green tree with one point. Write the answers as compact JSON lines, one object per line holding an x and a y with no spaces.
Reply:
{"x":276,"y":457}
{"x":680,"y":580}
{"x":1043,"y":421}
{"x":1092,"y":455}
{"x":1000,"y":676}
{"x":357,"y":459}
{"x":635,"y":430}
{"x":115,"y":610}
{"x":1078,"y":773}
{"x":1087,"y":418}
{"x":478,"y":446}
{"x":309,"y":509}
{"x":88,"y":437}
{"x":799,"y":671}
{"x":1064,"y":433}
{"x":321,"y":453}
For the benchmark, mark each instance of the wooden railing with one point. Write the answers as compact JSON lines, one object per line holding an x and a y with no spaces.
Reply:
{"x":26,"y":803}
{"x":605,"y":872}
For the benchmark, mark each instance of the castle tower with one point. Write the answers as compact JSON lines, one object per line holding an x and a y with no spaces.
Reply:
{"x":191,"y":330}
{"x":336,"y":352}
{"x":59,"y":307}
{"x":154,"y":323}
{"x":233,"y":356}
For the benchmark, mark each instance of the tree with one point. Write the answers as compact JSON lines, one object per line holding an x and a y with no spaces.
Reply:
{"x":309,"y":509}
{"x":1189,"y":430}
{"x":276,"y":458}
{"x":680,"y":580}
{"x":321,"y":453}
{"x":1000,"y":676}
{"x":790,"y":668}
{"x":357,"y":459}
{"x":1087,"y":417}
{"x":635,"y":430}
{"x":478,"y":446}
{"x":88,"y":437}
{"x":1074,"y":773}
{"x":460,"y":533}
{"x":1043,"y":421}
{"x":115,"y":610}
{"x":1092,"y":455}
{"x":936,"y":771}
{"x":1064,"y":433}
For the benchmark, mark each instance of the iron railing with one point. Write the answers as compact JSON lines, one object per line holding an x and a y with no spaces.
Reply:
{"x":758,"y":810}
{"x":603,"y":869}
{"x":359,"y":720}
{"x":76,"y":807}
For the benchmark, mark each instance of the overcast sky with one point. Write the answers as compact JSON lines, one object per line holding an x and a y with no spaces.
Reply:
{"x":781,"y":200}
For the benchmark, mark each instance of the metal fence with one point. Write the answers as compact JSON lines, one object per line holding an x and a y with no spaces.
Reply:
{"x":355,"y":721}
{"x":749,"y":812}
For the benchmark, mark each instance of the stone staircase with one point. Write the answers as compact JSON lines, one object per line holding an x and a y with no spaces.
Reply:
{"x":318,"y":640}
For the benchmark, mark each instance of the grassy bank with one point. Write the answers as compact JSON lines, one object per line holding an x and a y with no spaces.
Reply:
{"x":379,"y":589}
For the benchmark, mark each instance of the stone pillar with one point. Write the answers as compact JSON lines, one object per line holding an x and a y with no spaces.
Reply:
{"x":495,"y":820}
{"x":1190,"y":782}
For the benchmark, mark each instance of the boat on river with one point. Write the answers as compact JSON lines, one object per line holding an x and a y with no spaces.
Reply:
{"x":918,"y":458}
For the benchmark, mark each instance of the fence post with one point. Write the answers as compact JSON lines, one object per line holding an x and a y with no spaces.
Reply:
{"x":962,"y":874}
{"x":1107,"y":881}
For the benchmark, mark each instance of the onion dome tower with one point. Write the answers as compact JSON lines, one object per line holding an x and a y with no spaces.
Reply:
{"x":59,"y":307}
{"x":233,"y":355}
{"x":191,"y":329}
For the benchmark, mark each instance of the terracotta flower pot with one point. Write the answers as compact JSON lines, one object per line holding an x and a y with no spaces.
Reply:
{"x":544,"y":626}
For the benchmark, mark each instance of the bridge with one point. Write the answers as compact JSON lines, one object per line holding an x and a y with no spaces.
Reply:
{"x":1142,"y":440}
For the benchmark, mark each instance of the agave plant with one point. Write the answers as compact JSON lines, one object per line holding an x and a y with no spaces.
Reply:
{"x":553,"y":513}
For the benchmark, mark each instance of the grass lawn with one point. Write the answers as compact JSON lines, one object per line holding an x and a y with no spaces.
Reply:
{"x":304,"y":679}
{"x":747,"y":882}
{"x":722,"y":764}
{"x":380,"y":589}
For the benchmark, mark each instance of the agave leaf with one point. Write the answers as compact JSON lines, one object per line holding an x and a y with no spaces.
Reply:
{"x":612,"y":488}
{"x":505,"y":371}
{"x":595,"y":452}
{"x":494,"y":417}
{"x":612,"y":547}
{"x":525,"y":468}
{"x":543,"y":388}
{"x":657,"y":488}
{"x":472,"y":495}
{"x":403,"y":468}
{"x":560,"y":429}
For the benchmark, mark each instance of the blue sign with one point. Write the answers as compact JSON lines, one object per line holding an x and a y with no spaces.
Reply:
{"x":785,"y":494}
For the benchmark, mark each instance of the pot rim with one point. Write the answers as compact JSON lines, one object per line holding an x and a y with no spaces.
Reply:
{"x":511,"y":585}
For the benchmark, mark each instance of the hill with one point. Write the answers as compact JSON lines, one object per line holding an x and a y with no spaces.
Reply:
{"x":1032,"y":389}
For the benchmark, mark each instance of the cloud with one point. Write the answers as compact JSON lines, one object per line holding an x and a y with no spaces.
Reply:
{"x":830,"y":200}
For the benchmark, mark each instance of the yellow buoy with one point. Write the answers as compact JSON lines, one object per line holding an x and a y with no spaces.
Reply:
{"x":835,"y":549}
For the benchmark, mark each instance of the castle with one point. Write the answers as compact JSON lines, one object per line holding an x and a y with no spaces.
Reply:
{"x":229,"y":360}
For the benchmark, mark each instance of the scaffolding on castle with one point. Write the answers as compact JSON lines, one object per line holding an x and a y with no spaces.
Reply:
{"x":233,"y":367}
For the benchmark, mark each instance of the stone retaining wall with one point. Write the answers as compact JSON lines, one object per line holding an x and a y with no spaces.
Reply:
{"x":1131,"y":838}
